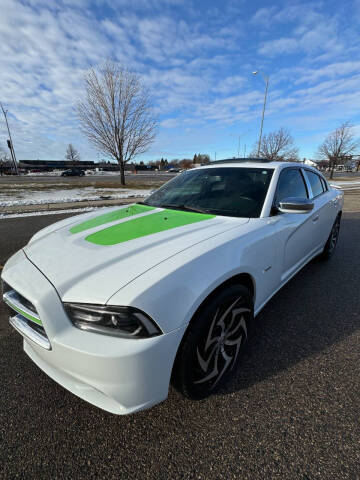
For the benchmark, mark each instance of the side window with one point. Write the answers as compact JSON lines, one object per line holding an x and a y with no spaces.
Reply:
{"x":323,"y":184}
{"x":291,"y":184}
{"x":315,"y":182}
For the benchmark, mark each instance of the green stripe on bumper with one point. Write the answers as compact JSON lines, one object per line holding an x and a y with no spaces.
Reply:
{"x":111,"y":217}
{"x":24,"y":314}
{"x":147,"y":225}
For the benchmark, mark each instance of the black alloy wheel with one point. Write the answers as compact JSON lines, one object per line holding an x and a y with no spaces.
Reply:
{"x":214,"y":343}
{"x":332,"y":240}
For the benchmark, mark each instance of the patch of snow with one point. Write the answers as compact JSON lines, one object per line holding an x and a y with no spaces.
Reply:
{"x":13,"y":197}
{"x":51,"y":212}
{"x":55,"y":173}
{"x":346,"y":183}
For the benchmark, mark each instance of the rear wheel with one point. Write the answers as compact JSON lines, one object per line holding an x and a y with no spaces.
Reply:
{"x":332,"y":240}
{"x":214,"y":343}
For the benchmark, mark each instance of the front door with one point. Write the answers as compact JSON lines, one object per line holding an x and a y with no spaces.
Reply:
{"x":297,"y":229}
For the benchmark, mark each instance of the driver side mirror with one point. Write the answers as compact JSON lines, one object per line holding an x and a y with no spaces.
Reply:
{"x":295,"y":205}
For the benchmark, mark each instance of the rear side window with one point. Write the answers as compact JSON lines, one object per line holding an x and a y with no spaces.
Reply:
{"x":291,"y":184}
{"x":323,"y":184}
{"x":316,"y":183}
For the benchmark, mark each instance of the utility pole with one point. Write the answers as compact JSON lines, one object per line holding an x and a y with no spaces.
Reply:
{"x":10,"y":142}
{"x":266,"y":80}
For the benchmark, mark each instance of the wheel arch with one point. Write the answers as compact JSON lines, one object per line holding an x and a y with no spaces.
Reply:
{"x":244,"y":279}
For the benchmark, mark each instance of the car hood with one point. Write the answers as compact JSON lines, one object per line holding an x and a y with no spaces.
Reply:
{"x":89,"y":257}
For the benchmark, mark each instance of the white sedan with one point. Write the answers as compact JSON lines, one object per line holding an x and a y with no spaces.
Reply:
{"x":115,"y":305}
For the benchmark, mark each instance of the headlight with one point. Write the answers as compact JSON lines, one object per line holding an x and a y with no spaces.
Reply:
{"x":125,"y":322}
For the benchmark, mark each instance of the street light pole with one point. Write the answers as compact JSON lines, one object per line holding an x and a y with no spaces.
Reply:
{"x":11,"y":146}
{"x":266,"y":80}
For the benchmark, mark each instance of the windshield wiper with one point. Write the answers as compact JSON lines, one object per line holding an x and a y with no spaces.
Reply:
{"x":186,"y":208}
{"x":196,"y":209}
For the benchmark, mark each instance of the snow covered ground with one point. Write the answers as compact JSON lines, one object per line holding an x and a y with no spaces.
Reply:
{"x":16,"y":196}
{"x":57,"y":173}
{"x":48,"y":212}
{"x":347,"y":185}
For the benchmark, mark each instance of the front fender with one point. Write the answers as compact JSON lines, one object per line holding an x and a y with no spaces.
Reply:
{"x":172,"y":291}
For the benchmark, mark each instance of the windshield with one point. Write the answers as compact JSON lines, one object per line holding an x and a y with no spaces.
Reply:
{"x":230,"y":191}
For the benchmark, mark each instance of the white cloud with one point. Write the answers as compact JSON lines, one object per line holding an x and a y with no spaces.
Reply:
{"x":197,"y":61}
{"x":264,"y":16}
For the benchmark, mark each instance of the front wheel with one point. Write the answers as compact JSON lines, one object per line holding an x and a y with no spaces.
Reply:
{"x":332,"y":240}
{"x":214,"y":343}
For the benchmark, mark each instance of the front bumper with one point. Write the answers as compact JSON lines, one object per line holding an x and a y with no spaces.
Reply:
{"x":118,"y":375}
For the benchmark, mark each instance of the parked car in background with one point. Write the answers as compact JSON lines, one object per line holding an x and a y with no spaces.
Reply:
{"x":73,"y":172}
{"x":114,"y":305}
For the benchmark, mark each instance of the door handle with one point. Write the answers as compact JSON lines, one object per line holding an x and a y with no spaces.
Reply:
{"x":316,"y":218}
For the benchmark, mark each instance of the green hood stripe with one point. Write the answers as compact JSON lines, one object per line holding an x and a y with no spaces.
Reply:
{"x":146,"y":225}
{"x":111,"y":217}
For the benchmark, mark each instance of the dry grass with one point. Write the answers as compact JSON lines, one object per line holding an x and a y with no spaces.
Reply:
{"x":65,"y":184}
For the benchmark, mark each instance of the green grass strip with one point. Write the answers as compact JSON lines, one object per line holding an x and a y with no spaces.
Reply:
{"x":147,"y":225}
{"x":110,"y":217}
{"x":24,"y":314}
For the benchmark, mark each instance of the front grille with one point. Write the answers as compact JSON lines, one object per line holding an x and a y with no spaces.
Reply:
{"x":27,"y":321}
{"x":22,"y":300}
{"x":4,"y":287}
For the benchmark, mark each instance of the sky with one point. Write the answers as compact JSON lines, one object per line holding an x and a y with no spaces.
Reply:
{"x":197,"y":58}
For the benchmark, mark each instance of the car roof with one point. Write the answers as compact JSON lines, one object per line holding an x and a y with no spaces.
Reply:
{"x":251,"y":163}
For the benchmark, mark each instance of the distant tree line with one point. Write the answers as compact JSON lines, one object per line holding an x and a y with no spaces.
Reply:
{"x":339,"y":147}
{"x":184,"y":163}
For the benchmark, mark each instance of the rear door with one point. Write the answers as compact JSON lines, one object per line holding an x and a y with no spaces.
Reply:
{"x":325,"y":212}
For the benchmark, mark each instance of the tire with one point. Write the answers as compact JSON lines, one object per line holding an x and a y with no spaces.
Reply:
{"x":213,"y":343}
{"x":332,"y":240}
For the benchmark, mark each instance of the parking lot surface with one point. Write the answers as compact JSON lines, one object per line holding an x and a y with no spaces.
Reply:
{"x":292,"y":411}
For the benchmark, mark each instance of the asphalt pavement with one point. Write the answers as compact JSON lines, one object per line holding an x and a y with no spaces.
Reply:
{"x":292,"y":411}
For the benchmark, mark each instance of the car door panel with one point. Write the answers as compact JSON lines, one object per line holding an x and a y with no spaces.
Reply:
{"x":324,"y":207}
{"x":298,"y":228}
{"x":298,"y":244}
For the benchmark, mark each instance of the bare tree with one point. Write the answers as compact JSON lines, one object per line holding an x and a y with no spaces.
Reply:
{"x":2,"y":159}
{"x":338,"y":146}
{"x":71,"y":153}
{"x":116,"y":113}
{"x":5,"y":162}
{"x":277,"y":146}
